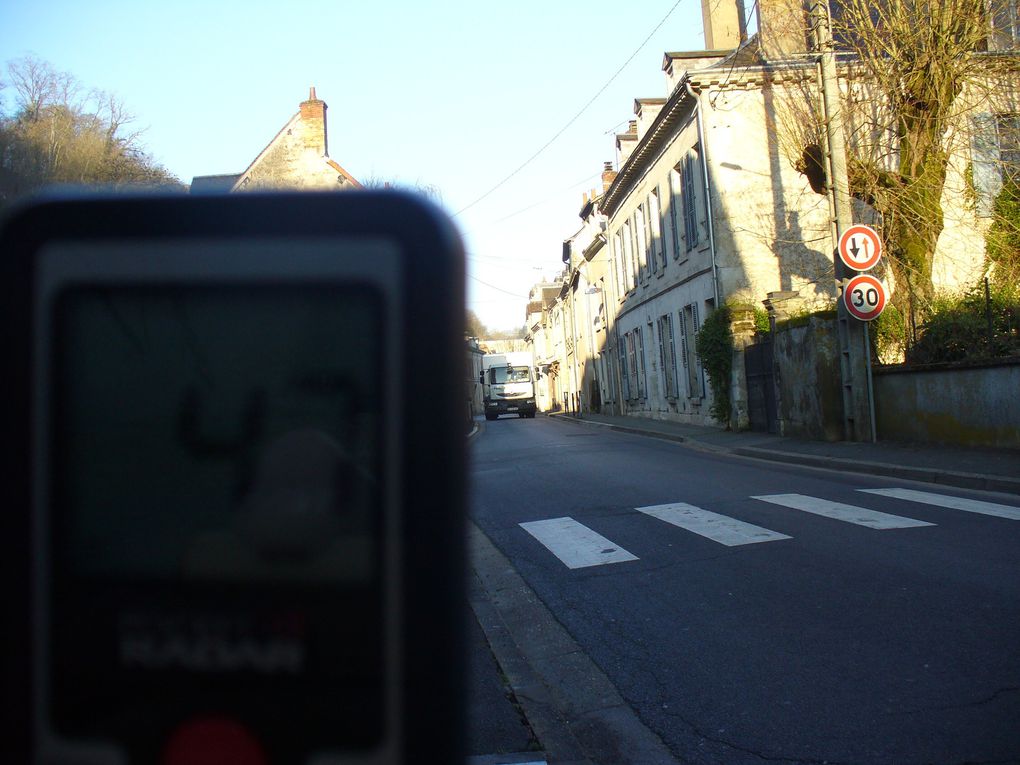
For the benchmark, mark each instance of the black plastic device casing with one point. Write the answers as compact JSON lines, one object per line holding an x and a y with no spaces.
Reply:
{"x":431,"y":457}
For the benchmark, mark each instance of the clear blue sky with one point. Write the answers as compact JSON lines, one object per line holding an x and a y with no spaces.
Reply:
{"x":453,"y":94}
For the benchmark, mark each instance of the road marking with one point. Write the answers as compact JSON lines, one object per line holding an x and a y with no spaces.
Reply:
{"x":575,"y":544}
{"x":954,"y":503}
{"x":843,"y":512}
{"x":719,"y":528}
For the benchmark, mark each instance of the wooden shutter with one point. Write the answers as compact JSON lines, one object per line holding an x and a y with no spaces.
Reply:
{"x":699,"y":372}
{"x":684,"y":354}
{"x":671,"y":356}
{"x":690,"y":202}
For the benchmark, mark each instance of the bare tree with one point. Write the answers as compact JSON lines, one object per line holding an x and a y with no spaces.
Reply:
{"x":474,"y":326}
{"x":915,"y":76}
{"x":428,"y":190}
{"x":60,"y":133}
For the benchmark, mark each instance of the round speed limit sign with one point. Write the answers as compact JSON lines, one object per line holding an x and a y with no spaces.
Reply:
{"x":864,"y":297}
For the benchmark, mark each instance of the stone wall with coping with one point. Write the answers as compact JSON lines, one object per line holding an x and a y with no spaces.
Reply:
{"x":973,"y":405}
{"x":808,"y":385}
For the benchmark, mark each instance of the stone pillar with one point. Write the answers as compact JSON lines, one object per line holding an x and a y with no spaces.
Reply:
{"x":742,"y":328}
{"x":780,"y":306}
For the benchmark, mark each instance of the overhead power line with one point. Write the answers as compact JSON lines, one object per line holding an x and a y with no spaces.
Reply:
{"x":574,"y":119}
{"x":547,"y":199}
{"x":498,"y":289}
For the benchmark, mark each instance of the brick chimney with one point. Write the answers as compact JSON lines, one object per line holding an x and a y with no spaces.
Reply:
{"x":608,"y":176}
{"x":724,"y":24}
{"x":313,"y":121}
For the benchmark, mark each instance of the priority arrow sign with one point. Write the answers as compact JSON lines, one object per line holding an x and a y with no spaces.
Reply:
{"x":860,"y":248}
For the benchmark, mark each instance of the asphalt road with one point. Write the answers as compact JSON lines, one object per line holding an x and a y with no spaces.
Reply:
{"x":803,"y":638}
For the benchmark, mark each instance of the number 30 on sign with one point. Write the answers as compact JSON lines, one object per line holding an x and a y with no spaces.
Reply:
{"x":864,"y":297}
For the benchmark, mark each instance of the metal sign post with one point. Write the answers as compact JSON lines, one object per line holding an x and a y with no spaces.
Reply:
{"x":858,"y":403}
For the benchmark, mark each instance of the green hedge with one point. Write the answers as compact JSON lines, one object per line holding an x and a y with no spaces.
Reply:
{"x":958,"y":328}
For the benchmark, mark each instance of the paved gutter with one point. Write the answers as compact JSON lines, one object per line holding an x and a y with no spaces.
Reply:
{"x":574,"y":709}
{"x":944,"y":477}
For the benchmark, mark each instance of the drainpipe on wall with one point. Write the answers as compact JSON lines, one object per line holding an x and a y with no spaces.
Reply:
{"x":573,"y":334}
{"x":589,"y":330}
{"x":708,"y":187}
{"x":613,"y":382}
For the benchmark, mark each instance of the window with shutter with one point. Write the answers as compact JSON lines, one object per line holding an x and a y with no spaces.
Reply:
{"x":984,"y":158}
{"x":671,"y":371}
{"x":1007,"y":126}
{"x":1005,"y":22}
{"x":633,"y":391}
{"x":662,"y":357}
{"x":628,"y":249}
{"x":642,"y":372}
{"x":624,"y":372}
{"x":700,"y":377}
{"x":657,"y":261}
{"x":684,"y":355}
{"x":675,"y":202}
{"x":641,"y":233}
{"x":618,"y":270}
{"x":690,"y":200}
{"x":688,"y":323}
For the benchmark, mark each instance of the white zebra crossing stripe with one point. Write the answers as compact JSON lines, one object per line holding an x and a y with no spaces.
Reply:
{"x":575,"y":544}
{"x":719,"y":528}
{"x":954,"y":503}
{"x":842,"y":512}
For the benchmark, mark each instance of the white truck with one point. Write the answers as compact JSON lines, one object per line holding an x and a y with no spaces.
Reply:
{"x":508,"y":384}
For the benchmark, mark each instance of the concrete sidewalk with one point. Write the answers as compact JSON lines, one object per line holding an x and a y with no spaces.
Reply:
{"x":969,"y":468}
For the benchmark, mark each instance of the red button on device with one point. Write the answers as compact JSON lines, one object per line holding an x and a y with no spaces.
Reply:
{"x":213,"y":741}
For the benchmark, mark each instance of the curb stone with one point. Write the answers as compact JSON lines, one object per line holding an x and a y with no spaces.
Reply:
{"x":574,"y":710}
{"x":954,"y":478}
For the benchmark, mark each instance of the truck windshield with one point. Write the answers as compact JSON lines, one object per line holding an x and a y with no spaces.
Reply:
{"x":502,"y":375}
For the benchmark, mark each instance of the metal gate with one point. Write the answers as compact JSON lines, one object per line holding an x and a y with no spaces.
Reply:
{"x":761,"y":387}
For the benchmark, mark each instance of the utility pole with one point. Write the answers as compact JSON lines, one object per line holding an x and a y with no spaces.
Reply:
{"x":854,"y":345}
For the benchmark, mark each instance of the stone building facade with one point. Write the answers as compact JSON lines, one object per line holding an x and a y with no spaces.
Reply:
{"x":708,"y":208}
{"x":296,"y":158}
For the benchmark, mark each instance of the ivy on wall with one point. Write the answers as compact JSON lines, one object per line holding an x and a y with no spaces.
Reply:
{"x":715,"y":349}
